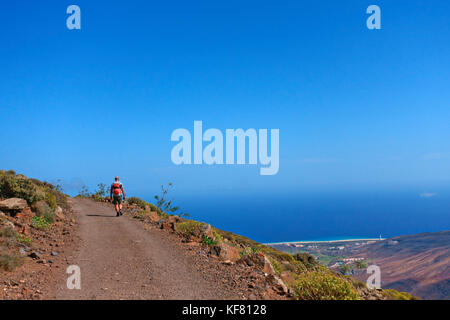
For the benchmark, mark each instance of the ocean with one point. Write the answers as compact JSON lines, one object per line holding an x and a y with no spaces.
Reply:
{"x":320,"y":216}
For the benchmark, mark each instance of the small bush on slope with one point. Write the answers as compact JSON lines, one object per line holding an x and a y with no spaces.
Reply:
{"x":396,"y":295}
{"x":10,"y":261}
{"x":137,"y":201}
{"x":323,"y":285}
{"x":8,"y":232}
{"x":31,"y":190}
{"x":40,"y":223}
{"x":188,"y":227}
{"x":141,"y":204}
{"x":307,"y":259}
{"x":12,"y":186}
{"x":23,"y":239}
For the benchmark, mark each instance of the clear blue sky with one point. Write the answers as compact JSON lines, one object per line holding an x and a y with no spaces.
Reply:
{"x":356,"y":109}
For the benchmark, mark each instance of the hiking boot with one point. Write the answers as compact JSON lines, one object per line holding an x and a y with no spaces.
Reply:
{"x":121,"y":213}
{"x":118,"y":214}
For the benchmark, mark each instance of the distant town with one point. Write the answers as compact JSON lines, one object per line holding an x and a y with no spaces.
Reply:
{"x":341,"y":255}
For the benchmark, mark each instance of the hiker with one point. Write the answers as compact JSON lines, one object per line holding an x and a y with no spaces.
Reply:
{"x":116,"y":194}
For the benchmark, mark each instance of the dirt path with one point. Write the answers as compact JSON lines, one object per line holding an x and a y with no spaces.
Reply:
{"x":121,"y":260}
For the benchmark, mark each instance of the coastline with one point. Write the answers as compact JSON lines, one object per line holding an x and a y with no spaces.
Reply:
{"x":324,"y":241}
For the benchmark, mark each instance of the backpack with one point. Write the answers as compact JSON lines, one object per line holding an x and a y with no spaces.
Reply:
{"x":117,"y":188}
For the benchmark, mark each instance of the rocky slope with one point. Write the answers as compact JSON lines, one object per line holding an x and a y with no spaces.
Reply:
{"x":268,"y":270}
{"x":40,"y":236}
{"x":33,"y":248}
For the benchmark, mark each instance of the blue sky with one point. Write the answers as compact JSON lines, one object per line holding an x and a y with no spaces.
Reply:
{"x":357,"y":109}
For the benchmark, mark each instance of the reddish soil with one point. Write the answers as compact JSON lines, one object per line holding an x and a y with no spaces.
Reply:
{"x":123,"y":258}
{"x":36,"y":278}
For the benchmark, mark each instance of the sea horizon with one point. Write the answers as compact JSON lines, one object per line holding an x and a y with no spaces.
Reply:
{"x":330,"y":239}
{"x":319,"y":217}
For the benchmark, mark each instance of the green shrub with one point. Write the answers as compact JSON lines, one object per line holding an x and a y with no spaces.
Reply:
{"x":276,"y":265}
{"x":188,"y":227}
{"x":391,"y":294}
{"x":43,"y":210}
{"x":40,"y":223}
{"x":245,"y":252}
{"x":137,"y":201}
{"x":141,"y":204}
{"x":50,"y":199}
{"x":54,"y":197}
{"x":23,"y":239}
{"x":295,"y":267}
{"x":323,"y":285}
{"x":9,"y":262}
{"x":237,"y":239}
{"x":361,"y":264}
{"x":12,"y":186}
{"x":346,"y":268}
{"x":356,"y":283}
{"x":49,"y":216}
{"x":306,"y":259}
{"x":208,"y":241}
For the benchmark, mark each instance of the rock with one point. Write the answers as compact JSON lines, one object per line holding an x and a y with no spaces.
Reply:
{"x":204,"y":229}
{"x":174,"y":219}
{"x":59,"y":212}
{"x":35,"y":255}
{"x":278,"y":284}
{"x":50,"y":261}
{"x":54,"y":253}
{"x":291,"y":293}
{"x":22,"y":252}
{"x":268,"y":268}
{"x":169,"y":223}
{"x":8,"y":223}
{"x":25,"y":214}
{"x":252,"y":260}
{"x":25,"y":230}
{"x":214,"y":250}
{"x":226,"y":252}
{"x":1,"y":213}
{"x":166,"y":225}
{"x":13,"y":204}
{"x":154,"y":217}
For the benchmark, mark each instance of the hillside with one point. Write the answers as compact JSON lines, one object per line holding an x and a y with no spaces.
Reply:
{"x":417,"y":263}
{"x":36,"y":236}
{"x":146,"y":254}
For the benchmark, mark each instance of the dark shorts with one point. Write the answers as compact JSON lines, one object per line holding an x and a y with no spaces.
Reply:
{"x":117,"y":199}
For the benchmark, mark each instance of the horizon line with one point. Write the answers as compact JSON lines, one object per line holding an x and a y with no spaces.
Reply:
{"x":326,"y":241}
